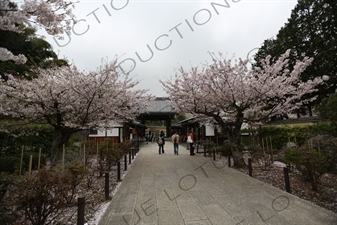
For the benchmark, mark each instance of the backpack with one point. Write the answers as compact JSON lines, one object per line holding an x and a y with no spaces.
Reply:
{"x":175,"y":139}
{"x":160,"y":141}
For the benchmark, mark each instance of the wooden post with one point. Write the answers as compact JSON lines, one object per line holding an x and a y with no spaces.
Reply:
{"x":30,"y":167}
{"x":107,"y":191}
{"x":21,"y":159}
{"x":229,"y":159}
{"x":250,"y":167}
{"x":84,"y":154}
{"x":39,"y":162}
{"x":63,"y":153}
{"x":118,"y":171}
{"x":97,"y":155}
{"x":125,"y":162}
{"x":271,"y":150}
{"x":80,"y":210}
{"x":286,"y":179}
{"x":263,"y":152}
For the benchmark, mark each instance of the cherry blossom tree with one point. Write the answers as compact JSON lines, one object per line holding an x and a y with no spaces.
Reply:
{"x":232,"y":93}
{"x":54,"y":16}
{"x":71,"y":100}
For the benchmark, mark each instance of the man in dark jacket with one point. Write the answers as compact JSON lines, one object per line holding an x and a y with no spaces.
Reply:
{"x":161,"y":143}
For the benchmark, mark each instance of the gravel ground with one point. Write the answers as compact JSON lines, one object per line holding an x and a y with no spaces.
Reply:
{"x":326,"y":196}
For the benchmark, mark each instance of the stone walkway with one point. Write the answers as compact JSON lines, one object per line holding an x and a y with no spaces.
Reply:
{"x":181,"y":189}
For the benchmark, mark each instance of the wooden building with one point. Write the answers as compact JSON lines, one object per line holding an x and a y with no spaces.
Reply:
{"x":132,"y":130}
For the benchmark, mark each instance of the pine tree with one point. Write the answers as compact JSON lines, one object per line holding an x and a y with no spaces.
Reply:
{"x":39,"y":53}
{"x":310,"y":31}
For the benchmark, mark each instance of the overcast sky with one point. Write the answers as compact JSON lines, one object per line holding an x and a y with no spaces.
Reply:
{"x":179,"y":33}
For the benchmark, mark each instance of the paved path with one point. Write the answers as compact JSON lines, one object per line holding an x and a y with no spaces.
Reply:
{"x":182,"y":189}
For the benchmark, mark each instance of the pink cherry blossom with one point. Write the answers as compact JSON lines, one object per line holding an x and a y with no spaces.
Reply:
{"x":6,"y":55}
{"x":231,"y":93}
{"x":54,"y":16}
{"x":71,"y":100}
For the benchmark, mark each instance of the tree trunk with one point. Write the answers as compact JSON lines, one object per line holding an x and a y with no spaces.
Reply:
{"x":61,"y":137}
{"x":310,"y":110}
{"x":237,"y":157}
{"x":236,"y":152}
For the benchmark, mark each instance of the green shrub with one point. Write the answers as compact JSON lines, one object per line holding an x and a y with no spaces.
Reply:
{"x":255,"y":150}
{"x":209,"y":146}
{"x":280,"y":135}
{"x":310,"y":161}
{"x":291,"y":156}
{"x":225,"y":148}
{"x":109,"y":155}
{"x":324,"y":128}
{"x":9,"y":183}
{"x":31,"y":136}
{"x":11,"y":164}
{"x":43,"y":198}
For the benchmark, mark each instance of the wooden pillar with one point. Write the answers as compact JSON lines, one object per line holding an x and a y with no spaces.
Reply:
{"x":199,"y":134}
{"x":168,"y":127}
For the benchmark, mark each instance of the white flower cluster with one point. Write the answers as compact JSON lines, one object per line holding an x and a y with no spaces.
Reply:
{"x":6,"y":55}
{"x":233,"y":93}
{"x":55,"y":16}
{"x":65,"y":97}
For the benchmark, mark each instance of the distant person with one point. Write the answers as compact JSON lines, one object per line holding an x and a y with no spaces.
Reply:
{"x":153,"y":138}
{"x":175,"y":140}
{"x":147,"y":137}
{"x":161,"y":143}
{"x":191,"y":141}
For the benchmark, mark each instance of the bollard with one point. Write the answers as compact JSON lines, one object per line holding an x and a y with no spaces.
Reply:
{"x":229,"y":159}
{"x":125,"y":163}
{"x":286,"y":179}
{"x":250,"y":167}
{"x":205,"y":151}
{"x":133,"y":153}
{"x":130,"y":156}
{"x":107,"y":191}
{"x":80,"y":210}
{"x":118,"y":171}
{"x":213,"y":154}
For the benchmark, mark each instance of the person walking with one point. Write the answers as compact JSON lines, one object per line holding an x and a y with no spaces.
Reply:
{"x":161,"y":143}
{"x":153,"y":138}
{"x":191,"y":141}
{"x":162,"y":134}
{"x":175,"y":140}
{"x":147,"y":137}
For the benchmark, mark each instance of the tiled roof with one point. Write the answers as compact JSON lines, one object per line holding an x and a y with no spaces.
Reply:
{"x":161,"y":105}
{"x":296,"y":120}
